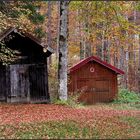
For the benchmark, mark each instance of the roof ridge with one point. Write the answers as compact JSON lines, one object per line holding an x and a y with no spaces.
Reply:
{"x":98,"y":60}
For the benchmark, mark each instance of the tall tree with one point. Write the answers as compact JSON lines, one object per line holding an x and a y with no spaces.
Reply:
{"x":49,"y":34}
{"x":63,"y":50}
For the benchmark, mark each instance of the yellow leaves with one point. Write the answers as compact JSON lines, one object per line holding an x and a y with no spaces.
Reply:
{"x":74,"y":49}
{"x":4,"y":22}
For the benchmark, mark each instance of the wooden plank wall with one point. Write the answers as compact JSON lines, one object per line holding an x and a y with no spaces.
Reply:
{"x":24,"y":83}
{"x":38,"y":77}
{"x":99,"y":86}
{"x":2,"y":83}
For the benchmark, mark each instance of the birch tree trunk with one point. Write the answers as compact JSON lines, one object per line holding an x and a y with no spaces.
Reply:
{"x":63,"y":50}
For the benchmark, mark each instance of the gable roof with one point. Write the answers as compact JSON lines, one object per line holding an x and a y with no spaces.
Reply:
{"x":98,"y":60}
{"x":36,"y":40}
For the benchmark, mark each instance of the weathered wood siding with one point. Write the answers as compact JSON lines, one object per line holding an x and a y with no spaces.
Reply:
{"x":97,"y":86}
{"x":19,"y":83}
{"x":2,"y":83}
{"x":24,"y":83}
{"x":38,"y":77}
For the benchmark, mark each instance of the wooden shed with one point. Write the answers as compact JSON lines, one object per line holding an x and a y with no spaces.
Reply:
{"x":25,"y":78}
{"x":94,"y":79}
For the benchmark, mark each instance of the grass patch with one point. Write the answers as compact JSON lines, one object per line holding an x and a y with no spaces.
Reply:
{"x":105,"y":128}
{"x":72,"y":102}
{"x":125,"y":106}
{"x":127,"y":100}
{"x":52,"y":130}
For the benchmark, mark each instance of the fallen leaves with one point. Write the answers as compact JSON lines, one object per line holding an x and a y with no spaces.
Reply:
{"x":25,"y":113}
{"x":45,"y":120}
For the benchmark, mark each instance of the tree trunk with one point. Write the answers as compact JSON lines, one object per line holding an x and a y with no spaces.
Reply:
{"x":63,"y":49}
{"x":139,"y":68}
{"x":58,"y":26}
{"x":81,"y":39}
{"x":81,"y":50}
{"x":132,"y":53}
{"x":104,"y":49}
{"x":49,"y":37}
{"x":87,"y":41}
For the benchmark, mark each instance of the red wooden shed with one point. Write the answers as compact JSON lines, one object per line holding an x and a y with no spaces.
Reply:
{"x":95,"y":79}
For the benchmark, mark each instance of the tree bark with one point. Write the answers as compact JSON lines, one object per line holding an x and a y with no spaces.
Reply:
{"x":81,"y":40}
{"x":87,"y":41}
{"x":139,"y":68}
{"x":58,"y":26}
{"x":49,"y":37}
{"x":63,"y":50}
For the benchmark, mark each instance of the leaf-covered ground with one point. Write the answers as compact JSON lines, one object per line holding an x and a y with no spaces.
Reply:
{"x":57,"y":121}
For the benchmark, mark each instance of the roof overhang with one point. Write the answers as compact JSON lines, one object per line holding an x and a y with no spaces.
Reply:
{"x":19,"y":31}
{"x":98,"y":60}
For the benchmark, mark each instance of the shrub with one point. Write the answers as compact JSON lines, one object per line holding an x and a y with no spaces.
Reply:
{"x":72,"y":101}
{"x":126,"y":96}
{"x":61,"y":102}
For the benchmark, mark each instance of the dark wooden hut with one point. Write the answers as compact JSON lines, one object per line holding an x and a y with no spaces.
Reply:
{"x":95,"y":79}
{"x":25,"y":78}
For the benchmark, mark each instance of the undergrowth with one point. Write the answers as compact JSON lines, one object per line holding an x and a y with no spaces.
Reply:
{"x":72,"y":101}
{"x":126,"y":96}
{"x":127,"y":100}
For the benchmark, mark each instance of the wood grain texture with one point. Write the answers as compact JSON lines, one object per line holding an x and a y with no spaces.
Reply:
{"x":97,"y":86}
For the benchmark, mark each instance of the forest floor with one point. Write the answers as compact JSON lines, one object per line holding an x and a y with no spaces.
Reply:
{"x":36,"y":121}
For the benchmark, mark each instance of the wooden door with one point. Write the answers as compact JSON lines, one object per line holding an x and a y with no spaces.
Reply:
{"x":3,"y":83}
{"x":87,"y":87}
{"x":19,"y":83}
{"x":95,"y":90}
{"x":102,"y":92}
{"x":38,"y":83}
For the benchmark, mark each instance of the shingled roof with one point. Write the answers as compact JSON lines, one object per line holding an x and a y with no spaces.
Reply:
{"x":98,"y":60}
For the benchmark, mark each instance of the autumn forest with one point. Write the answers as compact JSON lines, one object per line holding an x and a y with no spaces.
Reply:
{"x":69,"y":69}
{"x":107,"y":29}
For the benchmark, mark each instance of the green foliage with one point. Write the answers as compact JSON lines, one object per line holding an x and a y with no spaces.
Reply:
{"x":30,"y":7}
{"x":39,"y":32}
{"x":37,"y":18}
{"x":126,"y":96}
{"x":23,"y":14}
{"x":72,"y":101}
{"x":7,"y":55}
{"x":34,"y":16}
{"x":60,"y":102}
